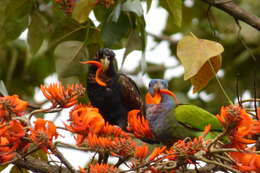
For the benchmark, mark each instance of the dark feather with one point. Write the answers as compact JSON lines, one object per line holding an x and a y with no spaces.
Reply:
{"x":131,"y":93}
{"x":117,"y":98}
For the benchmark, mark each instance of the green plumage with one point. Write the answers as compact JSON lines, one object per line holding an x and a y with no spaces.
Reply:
{"x":196,"y":117}
{"x":182,"y":122}
{"x":170,"y":122}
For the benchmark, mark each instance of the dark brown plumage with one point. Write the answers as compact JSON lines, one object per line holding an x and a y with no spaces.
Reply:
{"x":115,"y":94}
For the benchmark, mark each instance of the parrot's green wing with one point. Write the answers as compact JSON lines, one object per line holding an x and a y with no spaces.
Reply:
{"x":196,"y":117}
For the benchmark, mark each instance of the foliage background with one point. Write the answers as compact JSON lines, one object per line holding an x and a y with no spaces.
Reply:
{"x":56,"y":41}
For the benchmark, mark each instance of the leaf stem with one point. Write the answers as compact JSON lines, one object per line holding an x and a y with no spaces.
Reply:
{"x":220,"y":85}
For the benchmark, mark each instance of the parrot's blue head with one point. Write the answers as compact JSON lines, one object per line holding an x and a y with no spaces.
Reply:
{"x":158,"y":93}
{"x":157,"y":84}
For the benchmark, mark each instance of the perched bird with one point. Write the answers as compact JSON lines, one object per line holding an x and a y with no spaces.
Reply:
{"x":113,"y":93}
{"x":171,"y":121}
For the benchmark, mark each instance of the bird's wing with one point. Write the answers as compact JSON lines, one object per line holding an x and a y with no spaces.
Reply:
{"x":196,"y":117}
{"x":130,"y":93}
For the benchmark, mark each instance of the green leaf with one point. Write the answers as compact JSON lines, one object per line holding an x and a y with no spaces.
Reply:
{"x":36,"y":31}
{"x":113,"y":32}
{"x":134,"y":42}
{"x":15,"y":169}
{"x":175,"y":8}
{"x":134,"y":6}
{"x":148,"y":4}
{"x":3,"y":89}
{"x":39,"y":67}
{"x":82,"y":9}
{"x":101,"y":13}
{"x":68,"y":54}
{"x":14,"y":18}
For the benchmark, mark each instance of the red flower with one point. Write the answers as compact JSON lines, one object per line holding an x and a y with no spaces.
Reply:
{"x":43,"y":133}
{"x":139,"y":125}
{"x":85,"y":119}
{"x":246,"y":161}
{"x":110,"y":139}
{"x":6,"y":151}
{"x":58,"y":95}
{"x":229,"y":116}
{"x":13,"y":131}
{"x":11,"y":105}
{"x":10,"y":138}
{"x":100,"y":168}
{"x":113,"y":131}
{"x":156,"y":152}
{"x":117,"y":146}
{"x":141,"y":152}
{"x":241,"y":125}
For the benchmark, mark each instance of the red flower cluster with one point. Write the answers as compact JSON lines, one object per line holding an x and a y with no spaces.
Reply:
{"x":66,"y":5}
{"x":242,"y":128}
{"x":43,"y":133}
{"x":100,"y":168}
{"x":11,"y":106}
{"x":246,"y":161}
{"x":139,"y":125}
{"x":141,"y":152}
{"x":85,"y":119}
{"x":11,"y":135}
{"x":241,"y":125}
{"x":91,"y":131}
{"x":61,"y":96}
{"x":180,"y":149}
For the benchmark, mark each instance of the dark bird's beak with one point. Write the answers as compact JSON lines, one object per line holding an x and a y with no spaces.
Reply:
{"x":96,"y":63}
{"x":100,"y":68}
{"x":105,"y":63}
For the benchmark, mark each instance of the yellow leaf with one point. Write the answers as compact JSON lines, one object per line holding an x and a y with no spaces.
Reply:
{"x":205,"y":74}
{"x":194,"y":53}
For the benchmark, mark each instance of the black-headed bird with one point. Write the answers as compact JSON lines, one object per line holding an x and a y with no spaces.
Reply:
{"x":113,"y":93}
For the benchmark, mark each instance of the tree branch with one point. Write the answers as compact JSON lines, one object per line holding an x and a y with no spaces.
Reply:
{"x":36,"y":165}
{"x":58,"y":154}
{"x":234,"y":10}
{"x":163,"y":37}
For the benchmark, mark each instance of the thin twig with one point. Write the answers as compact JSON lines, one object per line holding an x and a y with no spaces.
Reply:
{"x":58,"y":154}
{"x":199,"y":156}
{"x":38,"y":111}
{"x":250,"y":100}
{"x":222,"y":150}
{"x":216,"y":139}
{"x":163,"y":37}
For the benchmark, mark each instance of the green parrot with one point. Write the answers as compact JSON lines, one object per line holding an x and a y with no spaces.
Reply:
{"x":170,"y":121}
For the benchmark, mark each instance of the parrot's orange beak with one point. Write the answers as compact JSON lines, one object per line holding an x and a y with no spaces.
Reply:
{"x":99,"y":70}
{"x":156,"y":99}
